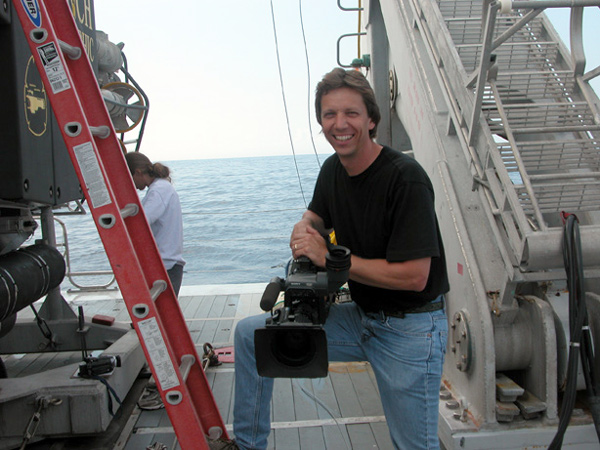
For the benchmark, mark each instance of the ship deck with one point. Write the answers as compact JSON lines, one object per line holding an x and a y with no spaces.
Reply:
{"x":341,"y":411}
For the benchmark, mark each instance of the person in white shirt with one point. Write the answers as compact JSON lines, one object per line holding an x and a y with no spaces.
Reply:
{"x":163,"y":212}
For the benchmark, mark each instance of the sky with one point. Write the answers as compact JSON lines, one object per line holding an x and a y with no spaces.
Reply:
{"x":210,"y":70}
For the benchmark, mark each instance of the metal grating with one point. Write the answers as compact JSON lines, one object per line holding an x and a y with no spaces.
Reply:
{"x":537,"y":56}
{"x":581,"y":196}
{"x":523,"y":86}
{"x":451,"y":8}
{"x":545,"y":129}
{"x":468,"y":30}
{"x":552,"y":156}
{"x":542,"y":118}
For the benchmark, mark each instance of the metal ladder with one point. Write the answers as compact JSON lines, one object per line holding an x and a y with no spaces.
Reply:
{"x":89,"y":135}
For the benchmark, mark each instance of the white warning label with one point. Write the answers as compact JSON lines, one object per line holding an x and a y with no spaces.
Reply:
{"x":54,"y":68}
{"x":164,"y":370}
{"x":92,"y":175}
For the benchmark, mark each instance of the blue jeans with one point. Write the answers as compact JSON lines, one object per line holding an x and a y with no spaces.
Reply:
{"x":406,"y":355}
{"x":176,"y":276}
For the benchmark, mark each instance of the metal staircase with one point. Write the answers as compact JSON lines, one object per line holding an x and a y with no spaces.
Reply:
{"x":540,"y":112}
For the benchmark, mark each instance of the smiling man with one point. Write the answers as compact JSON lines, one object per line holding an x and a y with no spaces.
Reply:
{"x":380,"y":203}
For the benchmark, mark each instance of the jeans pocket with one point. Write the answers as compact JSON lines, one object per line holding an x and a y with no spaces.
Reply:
{"x":412,"y":325}
{"x":441,"y":325}
{"x":444,"y":341}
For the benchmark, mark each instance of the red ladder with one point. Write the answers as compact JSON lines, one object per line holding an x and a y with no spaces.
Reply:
{"x":89,"y":135}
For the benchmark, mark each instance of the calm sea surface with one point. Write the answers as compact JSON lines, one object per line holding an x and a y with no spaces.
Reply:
{"x":238,"y":214}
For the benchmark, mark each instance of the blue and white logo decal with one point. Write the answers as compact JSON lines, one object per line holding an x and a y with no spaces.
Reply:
{"x":33,"y":11}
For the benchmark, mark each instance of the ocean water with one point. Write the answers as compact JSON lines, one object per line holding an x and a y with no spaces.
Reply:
{"x":238,"y":214}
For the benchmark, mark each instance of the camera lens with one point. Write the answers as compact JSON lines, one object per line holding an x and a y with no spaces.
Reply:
{"x":293,"y":348}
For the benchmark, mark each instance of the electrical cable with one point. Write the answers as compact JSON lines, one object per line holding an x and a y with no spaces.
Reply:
{"x":580,"y":345}
{"x":313,"y":397}
{"x":287,"y":118}
{"x":128,"y":79}
{"x":111,"y":393}
{"x":308,"y":84}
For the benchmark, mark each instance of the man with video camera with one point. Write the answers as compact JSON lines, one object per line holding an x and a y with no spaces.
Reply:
{"x":380,"y":203}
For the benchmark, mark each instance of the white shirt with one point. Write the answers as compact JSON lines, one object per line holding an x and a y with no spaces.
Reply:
{"x":163,"y":211}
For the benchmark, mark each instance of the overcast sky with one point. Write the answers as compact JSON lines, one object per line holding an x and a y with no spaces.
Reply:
{"x":210,"y":70}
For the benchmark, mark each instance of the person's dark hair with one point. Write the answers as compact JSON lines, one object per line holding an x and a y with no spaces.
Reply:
{"x":353,"y":79}
{"x":137,"y":160}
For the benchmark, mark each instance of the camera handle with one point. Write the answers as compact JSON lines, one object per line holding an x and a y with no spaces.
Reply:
{"x":271,"y":294}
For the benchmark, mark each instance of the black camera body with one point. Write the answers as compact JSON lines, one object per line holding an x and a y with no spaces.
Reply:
{"x":293,"y":343}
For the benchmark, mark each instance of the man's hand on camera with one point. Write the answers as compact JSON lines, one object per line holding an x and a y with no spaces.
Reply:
{"x":307,"y":241}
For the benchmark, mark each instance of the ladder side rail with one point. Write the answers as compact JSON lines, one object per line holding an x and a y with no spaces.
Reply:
{"x":485,"y":62}
{"x":140,"y":233}
{"x":120,"y":178}
{"x":141,"y":236}
{"x":167,"y":303}
{"x":91,"y":99}
{"x":106,"y":214}
{"x":102,"y":203}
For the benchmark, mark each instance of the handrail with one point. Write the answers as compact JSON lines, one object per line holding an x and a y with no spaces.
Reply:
{"x":338,"y":46}
{"x":339,"y":3}
{"x":359,"y":33}
{"x":70,"y":275}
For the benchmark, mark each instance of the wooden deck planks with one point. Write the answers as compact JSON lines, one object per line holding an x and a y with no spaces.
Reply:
{"x":221,"y":380}
{"x":283,"y":410}
{"x":336,"y":436}
{"x":305,"y":406}
{"x":303,"y":411}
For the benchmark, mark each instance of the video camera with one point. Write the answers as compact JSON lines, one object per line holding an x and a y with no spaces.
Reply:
{"x":293,"y":343}
{"x":95,"y":366}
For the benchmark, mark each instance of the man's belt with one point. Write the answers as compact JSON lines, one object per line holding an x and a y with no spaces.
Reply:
{"x":427,"y":307}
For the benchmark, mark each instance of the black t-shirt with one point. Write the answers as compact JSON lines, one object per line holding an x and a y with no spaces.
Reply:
{"x":386,"y":212}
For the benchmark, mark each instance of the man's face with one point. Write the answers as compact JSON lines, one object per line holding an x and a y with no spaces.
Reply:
{"x":345,"y":121}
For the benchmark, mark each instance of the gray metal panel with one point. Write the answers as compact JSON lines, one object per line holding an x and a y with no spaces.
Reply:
{"x":36,"y":166}
{"x":80,"y":406}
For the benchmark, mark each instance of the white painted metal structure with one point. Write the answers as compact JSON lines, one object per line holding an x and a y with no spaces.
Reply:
{"x":502,"y":117}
